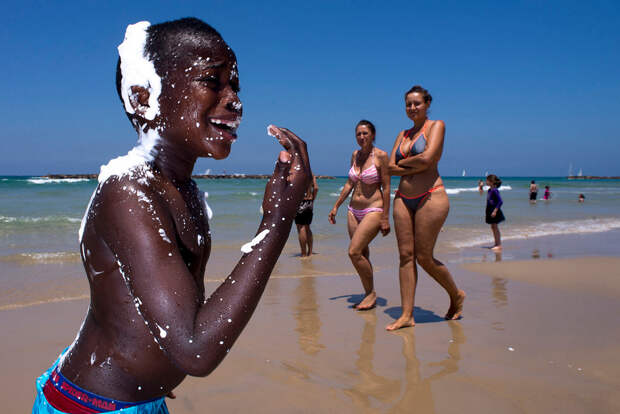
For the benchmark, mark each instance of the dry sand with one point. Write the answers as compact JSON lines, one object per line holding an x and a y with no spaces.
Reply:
{"x":537,"y":336}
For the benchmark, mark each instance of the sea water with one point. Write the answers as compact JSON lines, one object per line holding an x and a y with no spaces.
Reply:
{"x":40,"y":217}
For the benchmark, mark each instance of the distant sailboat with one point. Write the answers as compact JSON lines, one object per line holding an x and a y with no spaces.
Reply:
{"x":463,"y":174}
{"x":580,"y":173}
{"x":486,"y":173}
{"x":570,"y":169}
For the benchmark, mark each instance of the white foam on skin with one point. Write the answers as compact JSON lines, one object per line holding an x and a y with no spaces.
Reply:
{"x":247,"y":248}
{"x":137,"y":69}
{"x":135,"y":162}
{"x":164,"y":236}
{"x":136,"y":158}
{"x":205,"y":205}
{"x":162,"y":331}
{"x":272,"y":131}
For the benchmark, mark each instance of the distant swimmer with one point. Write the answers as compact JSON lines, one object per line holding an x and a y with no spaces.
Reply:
{"x":581,"y":198}
{"x":421,"y":206}
{"x":145,"y":238}
{"x":533,"y":192}
{"x":303,"y":219}
{"x":493,"y":213}
{"x":547,"y":194}
{"x":369,"y":207}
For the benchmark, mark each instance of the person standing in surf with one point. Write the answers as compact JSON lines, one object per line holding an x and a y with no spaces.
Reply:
{"x":493,"y":212}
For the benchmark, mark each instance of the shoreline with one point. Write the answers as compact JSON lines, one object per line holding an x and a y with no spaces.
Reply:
{"x":207,"y":176}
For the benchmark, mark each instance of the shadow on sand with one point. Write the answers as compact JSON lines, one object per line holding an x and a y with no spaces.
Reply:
{"x":354,"y":299}
{"x":420,"y":315}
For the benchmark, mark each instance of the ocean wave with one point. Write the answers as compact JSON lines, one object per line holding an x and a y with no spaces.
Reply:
{"x":554,"y":228}
{"x":43,"y":180}
{"x":8,"y":219}
{"x":453,"y":190}
{"x":41,"y":257}
{"x":474,"y":189}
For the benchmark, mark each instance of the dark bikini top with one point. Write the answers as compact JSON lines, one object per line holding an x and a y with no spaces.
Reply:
{"x":417,"y":146}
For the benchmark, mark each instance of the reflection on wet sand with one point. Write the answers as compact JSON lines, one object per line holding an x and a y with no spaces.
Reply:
{"x":414,"y":394}
{"x":306,"y":312}
{"x":417,"y":395}
{"x":370,"y":386}
{"x":496,"y":256}
{"x":500,"y":293}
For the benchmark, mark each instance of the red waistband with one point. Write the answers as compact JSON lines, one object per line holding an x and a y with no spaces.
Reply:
{"x":437,"y":187}
{"x":63,"y":403}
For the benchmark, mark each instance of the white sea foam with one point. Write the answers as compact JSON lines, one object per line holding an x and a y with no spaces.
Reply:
{"x":554,"y":228}
{"x":474,"y":189}
{"x":44,"y":180}
{"x":10,"y":219}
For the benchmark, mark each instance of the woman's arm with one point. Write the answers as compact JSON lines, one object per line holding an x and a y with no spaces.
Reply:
{"x":385,"y":192}
{"x":393,"y":168}
{"x":196,"y":335}
{"x":431,"y":155}
{"x":346,"y":190}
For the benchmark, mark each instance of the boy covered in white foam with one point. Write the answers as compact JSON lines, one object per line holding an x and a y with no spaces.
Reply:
{"x":145,"y":237}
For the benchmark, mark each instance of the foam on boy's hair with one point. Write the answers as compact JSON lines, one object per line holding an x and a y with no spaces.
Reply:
{"x":137,"y":69}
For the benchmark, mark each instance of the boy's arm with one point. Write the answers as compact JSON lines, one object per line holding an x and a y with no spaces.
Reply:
{"x":197,"y":335}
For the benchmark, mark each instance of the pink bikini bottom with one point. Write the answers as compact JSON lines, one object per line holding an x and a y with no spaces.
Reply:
{"x":359,"y":214}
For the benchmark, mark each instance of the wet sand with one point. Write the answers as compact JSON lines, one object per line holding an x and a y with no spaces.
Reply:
{"x":537,"y":336}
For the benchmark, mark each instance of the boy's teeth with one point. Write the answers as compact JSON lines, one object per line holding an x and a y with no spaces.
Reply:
{"x":230,"y":124}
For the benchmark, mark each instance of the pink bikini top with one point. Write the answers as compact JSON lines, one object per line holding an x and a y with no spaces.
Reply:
{"x":369,"y":176}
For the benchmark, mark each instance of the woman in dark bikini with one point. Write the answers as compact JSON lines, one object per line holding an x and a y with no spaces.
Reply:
{"x":421,"y":206}
{"x":369,"y":207}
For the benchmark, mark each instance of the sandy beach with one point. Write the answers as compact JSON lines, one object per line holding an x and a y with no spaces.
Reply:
{"x":537,"y":336}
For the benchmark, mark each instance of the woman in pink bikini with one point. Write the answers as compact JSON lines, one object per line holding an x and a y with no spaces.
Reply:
{"x":369,"y":208}
{"x":421,"y":206}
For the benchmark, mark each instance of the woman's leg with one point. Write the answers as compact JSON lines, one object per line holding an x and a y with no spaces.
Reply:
{"x":497,"y":236}
{"x":407,"y":271}
{"x":362,"y":234}
{"x":429,"y":219}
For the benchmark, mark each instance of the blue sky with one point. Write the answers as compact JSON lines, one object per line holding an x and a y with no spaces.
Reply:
{"x":525,"y":88}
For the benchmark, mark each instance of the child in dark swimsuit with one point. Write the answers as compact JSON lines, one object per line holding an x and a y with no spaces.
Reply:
{"x":493,"y":213}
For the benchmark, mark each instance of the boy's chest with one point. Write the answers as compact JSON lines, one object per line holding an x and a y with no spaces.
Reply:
{"x":191,"y":228}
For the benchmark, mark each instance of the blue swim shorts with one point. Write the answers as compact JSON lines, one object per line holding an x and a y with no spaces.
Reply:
{"x":42,"y":406}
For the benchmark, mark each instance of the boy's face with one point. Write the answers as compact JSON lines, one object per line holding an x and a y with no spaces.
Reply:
{"x":199,"y":107}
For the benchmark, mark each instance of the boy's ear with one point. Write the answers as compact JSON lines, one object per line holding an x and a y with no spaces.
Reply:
{"x":139,"y":99}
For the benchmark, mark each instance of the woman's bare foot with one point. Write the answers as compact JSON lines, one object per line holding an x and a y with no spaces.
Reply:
{"x":368,"y":302}
{"x":497,"y":248}
{"x":456,"y":306}
{"x":402,"y":322}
